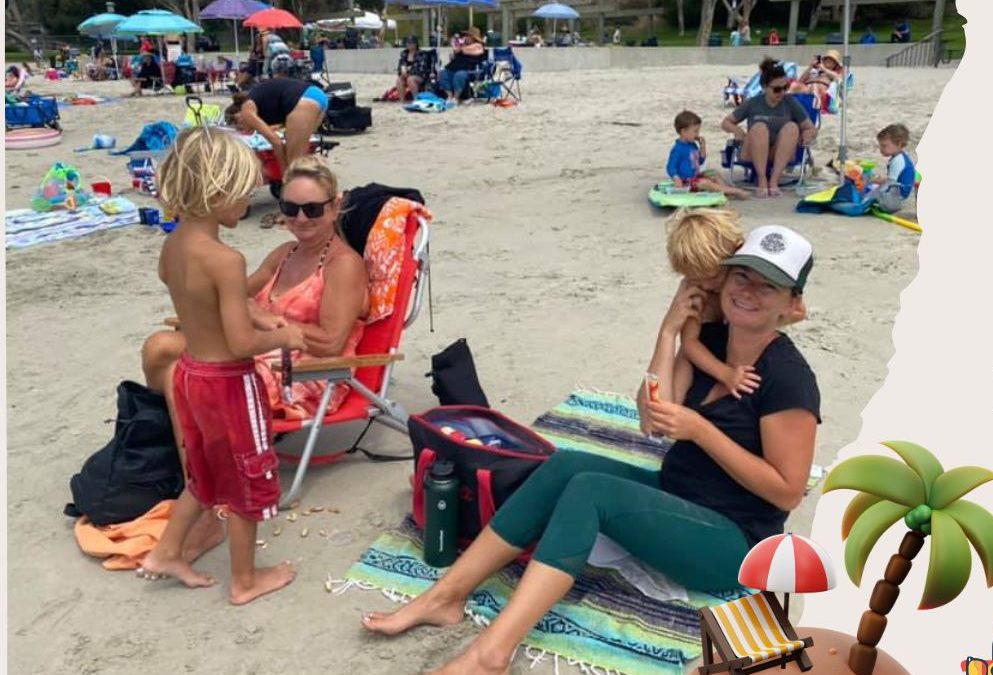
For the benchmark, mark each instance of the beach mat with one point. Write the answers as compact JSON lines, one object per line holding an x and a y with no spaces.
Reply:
{"x":25,"y":227}
{"x":604,"y":621}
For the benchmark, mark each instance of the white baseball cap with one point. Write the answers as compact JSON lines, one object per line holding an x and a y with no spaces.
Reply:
{"x":778,"y":253}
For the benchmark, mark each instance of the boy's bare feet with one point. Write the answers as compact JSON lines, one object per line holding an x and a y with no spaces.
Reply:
{"x":425,"y":609}
{"x":153,"y":567}
{"x":264,"y":580}
{"x":207,"y":532}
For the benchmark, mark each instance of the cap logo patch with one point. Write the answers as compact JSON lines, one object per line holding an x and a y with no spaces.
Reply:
{"x":773,"y":243}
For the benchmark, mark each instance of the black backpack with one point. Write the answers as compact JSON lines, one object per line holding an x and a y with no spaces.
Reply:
{"x":137,"y":469}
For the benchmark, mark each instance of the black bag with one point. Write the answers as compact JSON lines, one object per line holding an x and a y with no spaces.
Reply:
{"x":342,"y":113}
{"x":137,"y":469}
{"x":454,"y":379}
{"x":499,"y":458}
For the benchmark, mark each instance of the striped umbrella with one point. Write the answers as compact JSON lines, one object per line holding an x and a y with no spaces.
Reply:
{"x":787,"y":563}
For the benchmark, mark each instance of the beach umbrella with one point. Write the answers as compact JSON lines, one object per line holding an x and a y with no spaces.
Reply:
{"x":787,"y":563}
{"x":155,"y":22}
{"x":235,"y":10}
{"x":556,"y":11}
{"x":101,"y":26}
{"x":273,"y":18}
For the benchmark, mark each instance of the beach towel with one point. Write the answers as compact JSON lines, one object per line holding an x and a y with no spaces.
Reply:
{"x":604,"y":621}
{"x":26,"y":227}
{"x":124,"y":545}
{"x":154,"y":137}
{"x":426,"y":102}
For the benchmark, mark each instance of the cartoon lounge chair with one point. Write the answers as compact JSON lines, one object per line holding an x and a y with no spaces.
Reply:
{"x":753,"y":633}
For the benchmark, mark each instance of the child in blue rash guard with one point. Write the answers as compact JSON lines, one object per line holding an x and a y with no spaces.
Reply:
{"x":687,"y":156}
{"x":898,"y":181}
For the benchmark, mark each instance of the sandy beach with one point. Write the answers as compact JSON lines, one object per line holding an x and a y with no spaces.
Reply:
{"x":546,"y":256}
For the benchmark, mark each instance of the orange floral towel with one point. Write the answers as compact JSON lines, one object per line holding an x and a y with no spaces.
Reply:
{"x":384,"y":254}
{"x":124,"y":545}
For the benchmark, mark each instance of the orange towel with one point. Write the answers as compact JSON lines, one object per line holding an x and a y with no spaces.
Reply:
{"x":125,"y":544}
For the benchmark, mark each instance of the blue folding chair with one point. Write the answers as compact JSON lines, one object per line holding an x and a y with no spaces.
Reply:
{"x":507,"y":71}
{"x":731,"y":155}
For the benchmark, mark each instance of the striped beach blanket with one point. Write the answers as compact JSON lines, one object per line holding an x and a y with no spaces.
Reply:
{"x":25,"y":227}
{"x":603,"y":622}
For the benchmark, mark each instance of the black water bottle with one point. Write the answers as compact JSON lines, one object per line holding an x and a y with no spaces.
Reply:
{"x":441,"y":505}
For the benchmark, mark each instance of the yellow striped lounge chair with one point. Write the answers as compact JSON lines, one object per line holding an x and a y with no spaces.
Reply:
{"x":750,"y":634}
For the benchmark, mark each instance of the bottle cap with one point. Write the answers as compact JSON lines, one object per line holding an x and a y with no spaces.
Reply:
{"x":442,"y":469}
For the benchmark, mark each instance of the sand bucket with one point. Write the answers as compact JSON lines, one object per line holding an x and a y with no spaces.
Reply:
{"x":101,"y":186}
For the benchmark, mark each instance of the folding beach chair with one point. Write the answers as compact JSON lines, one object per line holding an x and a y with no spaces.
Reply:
{"x":750,"y":634}
{"x":731,"y":154}
{"x":368,"y":399}
{"x":506,"y":71}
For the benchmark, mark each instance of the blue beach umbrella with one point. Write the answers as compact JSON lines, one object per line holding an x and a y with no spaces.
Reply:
{"x":234,"y":10}
{"x":101,"y":26}
{"x":155,"y":22}
{"x":556,"y":11}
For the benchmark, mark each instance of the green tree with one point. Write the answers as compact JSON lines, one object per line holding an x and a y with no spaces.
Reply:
{"x":929,"y":500}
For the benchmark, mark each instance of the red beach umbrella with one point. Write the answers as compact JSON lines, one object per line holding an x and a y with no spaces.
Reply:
{"x":787,"y":563}
{"x":273,"y":18}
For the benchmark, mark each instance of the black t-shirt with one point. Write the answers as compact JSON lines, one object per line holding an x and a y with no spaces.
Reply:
{"x":690,"y":473}
{"x":276,"y":98}
{"x":148,"y":70}
{"x":462,"y":61}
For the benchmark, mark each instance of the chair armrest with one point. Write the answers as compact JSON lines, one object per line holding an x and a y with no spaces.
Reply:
{"x":318,"y":364}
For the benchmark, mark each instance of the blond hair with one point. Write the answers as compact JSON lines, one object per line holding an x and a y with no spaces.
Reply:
{"x":206,"y":170}
{"x":317,"y":170}
{"x":699,"y":239}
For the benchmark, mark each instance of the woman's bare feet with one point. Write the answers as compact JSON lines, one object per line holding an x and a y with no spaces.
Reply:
{"x":154,"y":567}
{"x":775,"y":192}
{"x":426,"y":609}
{"x":264,"y":580}
{"x":207,"y":532}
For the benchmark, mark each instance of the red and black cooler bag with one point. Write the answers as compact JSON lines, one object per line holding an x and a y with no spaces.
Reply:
{"x":489,"y":471}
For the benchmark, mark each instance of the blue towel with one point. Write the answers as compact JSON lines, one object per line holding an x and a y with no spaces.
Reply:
{"x":426,"y":102}
{"x":155,"y":137}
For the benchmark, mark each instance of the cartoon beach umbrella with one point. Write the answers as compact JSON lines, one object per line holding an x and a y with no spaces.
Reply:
{"x":787,"y":563}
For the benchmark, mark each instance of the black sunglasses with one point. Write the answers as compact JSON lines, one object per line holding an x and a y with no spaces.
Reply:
{"x":310,"y":209}
{"x":780,"y":89}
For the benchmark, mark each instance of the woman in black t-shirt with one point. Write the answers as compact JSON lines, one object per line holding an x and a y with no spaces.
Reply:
{"x":737,"y":468}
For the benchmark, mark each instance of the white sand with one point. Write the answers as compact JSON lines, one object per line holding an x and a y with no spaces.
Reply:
{"x":546,"y":256}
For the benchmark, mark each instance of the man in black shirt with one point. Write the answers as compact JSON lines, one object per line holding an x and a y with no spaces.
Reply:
{"x":147,"y":75}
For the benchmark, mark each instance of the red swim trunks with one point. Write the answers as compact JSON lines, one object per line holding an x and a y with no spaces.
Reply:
{"x":227,"y":430}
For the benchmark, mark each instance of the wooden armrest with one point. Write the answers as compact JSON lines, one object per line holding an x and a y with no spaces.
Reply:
{"x":315,"y":364}
{"x":171,"y":321}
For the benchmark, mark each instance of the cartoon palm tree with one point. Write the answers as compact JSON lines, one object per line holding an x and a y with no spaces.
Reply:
{"x":928,"y":498}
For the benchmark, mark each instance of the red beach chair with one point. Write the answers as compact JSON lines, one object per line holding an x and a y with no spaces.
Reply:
{"x":376,"y":354}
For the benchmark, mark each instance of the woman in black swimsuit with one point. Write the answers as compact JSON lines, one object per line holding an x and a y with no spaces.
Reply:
{"x":296,"y":104}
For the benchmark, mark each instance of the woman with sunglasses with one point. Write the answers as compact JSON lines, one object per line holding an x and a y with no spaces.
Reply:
{"x":777,"y":123}
{"x":317,"y":282}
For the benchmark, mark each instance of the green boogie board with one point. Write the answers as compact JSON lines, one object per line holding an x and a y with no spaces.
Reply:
{"x":664,"y":196}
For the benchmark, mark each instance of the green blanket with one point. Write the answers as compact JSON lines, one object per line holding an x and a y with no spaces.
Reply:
{"x":603,"y":622}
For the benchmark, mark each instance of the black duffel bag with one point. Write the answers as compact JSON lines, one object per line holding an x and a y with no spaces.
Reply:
{"x":492,"y":454}
{"x":137,"y":469}
{"x":343,"y":114}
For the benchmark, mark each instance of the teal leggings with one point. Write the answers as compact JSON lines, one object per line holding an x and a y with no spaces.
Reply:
{"x":574,"y":495}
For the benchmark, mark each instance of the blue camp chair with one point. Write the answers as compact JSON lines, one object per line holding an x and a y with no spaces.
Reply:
{"x":497,"y":77}
{"x":731,"y":154}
